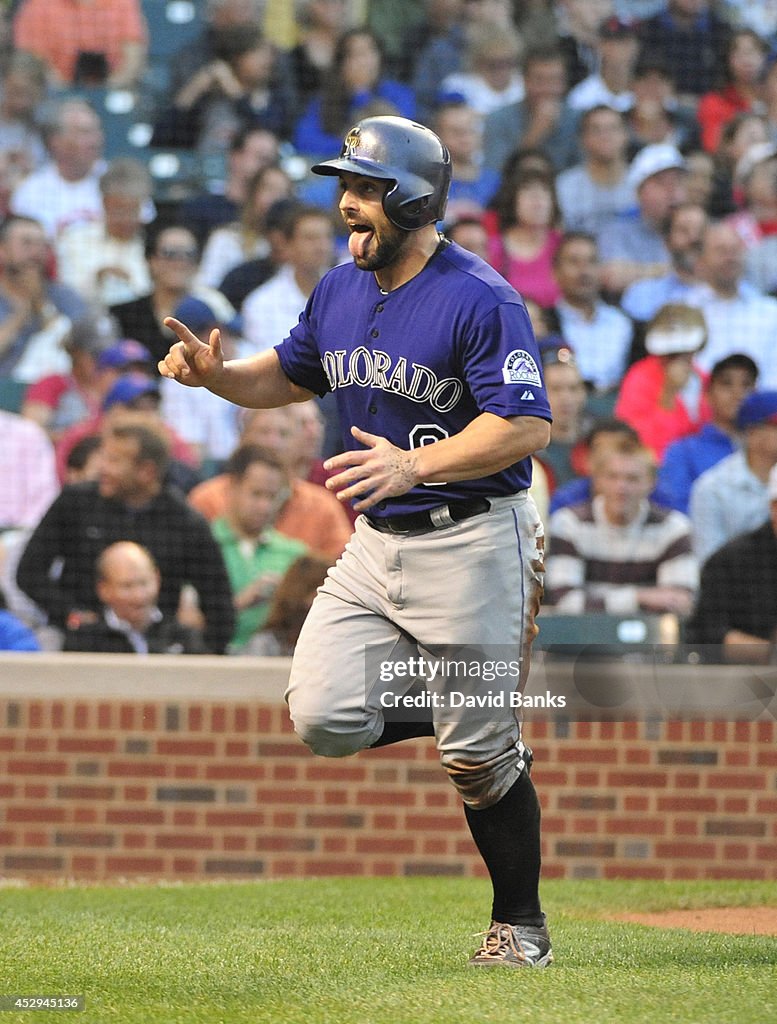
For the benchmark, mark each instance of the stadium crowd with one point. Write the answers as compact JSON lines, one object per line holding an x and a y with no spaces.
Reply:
{"x":615,"y":160}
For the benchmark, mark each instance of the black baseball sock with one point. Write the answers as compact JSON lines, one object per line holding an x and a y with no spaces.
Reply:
{"x":507,"y":835}
{"x":406,"y":723}
{"x":393,"y":732}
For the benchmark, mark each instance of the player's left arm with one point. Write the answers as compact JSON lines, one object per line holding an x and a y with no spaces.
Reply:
{"x":488,"y":444}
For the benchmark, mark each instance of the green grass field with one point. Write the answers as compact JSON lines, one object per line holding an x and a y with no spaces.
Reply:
{"x":375,"y":951}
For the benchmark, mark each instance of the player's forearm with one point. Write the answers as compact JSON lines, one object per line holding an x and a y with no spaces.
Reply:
{"x":487,"y":445}
{"x":257,"y":382}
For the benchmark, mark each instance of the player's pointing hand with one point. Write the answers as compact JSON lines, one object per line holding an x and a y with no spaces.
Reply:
{"x":380,"y":471}
{"x":191,"y":361}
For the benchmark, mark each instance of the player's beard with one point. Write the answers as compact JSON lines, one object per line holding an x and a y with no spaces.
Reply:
{"x":388,"y":241}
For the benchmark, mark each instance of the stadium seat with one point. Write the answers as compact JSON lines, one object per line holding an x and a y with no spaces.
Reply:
{"x":11,"y":394}
{"x":567,"y":635}
{"x":172,"y":24}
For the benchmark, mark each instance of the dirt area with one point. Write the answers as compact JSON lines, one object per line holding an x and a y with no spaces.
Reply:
{"x":733,"y":920}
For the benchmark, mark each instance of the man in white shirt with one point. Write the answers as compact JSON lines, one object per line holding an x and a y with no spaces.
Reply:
{"x":105,"y":261}
{"x":598,"y":188}
{"x":739,"y":318}
{"x":66,"y":190}
{"x":271,"y":310}
{"x":600,"y":335}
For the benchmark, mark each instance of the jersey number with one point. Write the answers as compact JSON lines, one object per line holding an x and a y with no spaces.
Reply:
{"x":427,"y":433}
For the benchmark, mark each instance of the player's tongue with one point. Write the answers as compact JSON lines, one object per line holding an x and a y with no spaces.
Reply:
{"x":359,"y":240}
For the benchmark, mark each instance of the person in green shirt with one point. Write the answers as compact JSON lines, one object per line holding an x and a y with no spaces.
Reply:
{"x":255,"y":554}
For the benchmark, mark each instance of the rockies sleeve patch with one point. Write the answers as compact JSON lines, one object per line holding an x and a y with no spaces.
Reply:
{"x":520,"y":367}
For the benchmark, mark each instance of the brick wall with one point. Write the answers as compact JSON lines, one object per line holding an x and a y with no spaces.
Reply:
{"x":188,"y":768}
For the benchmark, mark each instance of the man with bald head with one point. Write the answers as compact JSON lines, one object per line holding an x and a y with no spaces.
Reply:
{"x":739,"y":318}
{"x":127,"y":581}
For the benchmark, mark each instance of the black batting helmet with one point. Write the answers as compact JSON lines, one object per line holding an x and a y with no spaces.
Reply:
{"x":411,"y":156}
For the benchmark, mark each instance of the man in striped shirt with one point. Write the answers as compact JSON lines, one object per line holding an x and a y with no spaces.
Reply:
{"x":618,"y":552}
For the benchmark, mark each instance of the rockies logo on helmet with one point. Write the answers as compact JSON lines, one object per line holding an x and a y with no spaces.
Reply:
{"x":408,"y":155}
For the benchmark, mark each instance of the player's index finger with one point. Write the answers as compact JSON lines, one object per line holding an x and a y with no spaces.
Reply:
{"x":181,"y":330}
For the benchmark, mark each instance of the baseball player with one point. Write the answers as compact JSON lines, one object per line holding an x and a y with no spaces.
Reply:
{"x":434,"y":366}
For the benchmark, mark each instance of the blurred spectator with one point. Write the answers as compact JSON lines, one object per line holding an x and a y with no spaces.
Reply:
{"x":441,"y":43}
{"x":270,"y":311}
{"x":657,"y":115}
{"x":528,"y":218}
{"x":289,"y":607}
{"x":255,"y":554}
{"x":759,"y":15}
{"x":14,"y":634}
{"x":610,"y":84}
{"x":691,"y":39}
{"x":66,"y":189}
{"x":662,"y":395}
{"x":756,"y":222}
{"x":132,"y":391}
{"x":567,"y":397}
{"x":470,"y":233}
{"x":127,"y":582}
{"x":460,"y":128}
{"x":684,"y":230}
{"x":249,"y":152}
{"x":105,"y":261}
{"x":128,"y":502}
{"x":730,"y":382}
{"x":28,"y":470}
{"x":594,"y":191}
{"x":320,"y":23}
{"x":633,"y":248}
{"x":542,"y":119}
{"x":619,"y":553}
{"x":35,"y":312}
{"x":61,"y":400}
{"x":232,"y":244}
{"x":239,"y":282}
{"x":207,"y":423}
{"x":83,"y":460}
{"x":742,"y":73}
{"x":605,"y":433}
{"x":219,"y":16}
{"x":731,"y":497}
{"x":311,"y":513}
{"x":740,"y":134}
{"x":769,"y":93}
{"x":699,"y":178}
{"x":739,"y":319}
{"x":354,"y":80}
{"x":736,"y":611}
{"x":599,"y":334}
{"x":172,"y":256}
{"x":245,"y":84}
{"x":578,"y":24}
{"x":755,"y":184}
{"x":22,"y":90}
{"x":86,"y":42}
{"x":490,"y":78}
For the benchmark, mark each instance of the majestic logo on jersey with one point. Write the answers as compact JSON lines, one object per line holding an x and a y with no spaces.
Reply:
{"x":527,"y":396}
{"x":520,"y":367}
{"x":375,"y":369}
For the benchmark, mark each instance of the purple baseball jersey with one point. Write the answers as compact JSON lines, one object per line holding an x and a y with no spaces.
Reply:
{"x":418,"y":364}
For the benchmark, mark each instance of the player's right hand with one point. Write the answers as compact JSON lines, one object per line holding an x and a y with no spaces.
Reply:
{"x":190,"y":361}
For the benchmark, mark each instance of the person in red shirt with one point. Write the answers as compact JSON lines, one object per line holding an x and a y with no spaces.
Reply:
{"x":745,"y":64}
{"x":662,"y":395}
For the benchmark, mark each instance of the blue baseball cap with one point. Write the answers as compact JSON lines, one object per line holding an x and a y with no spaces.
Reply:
{"x":200,"y":316}
{"x":758,"y":407}
{"x":124,"y":353}
{"x":128,"y":388}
